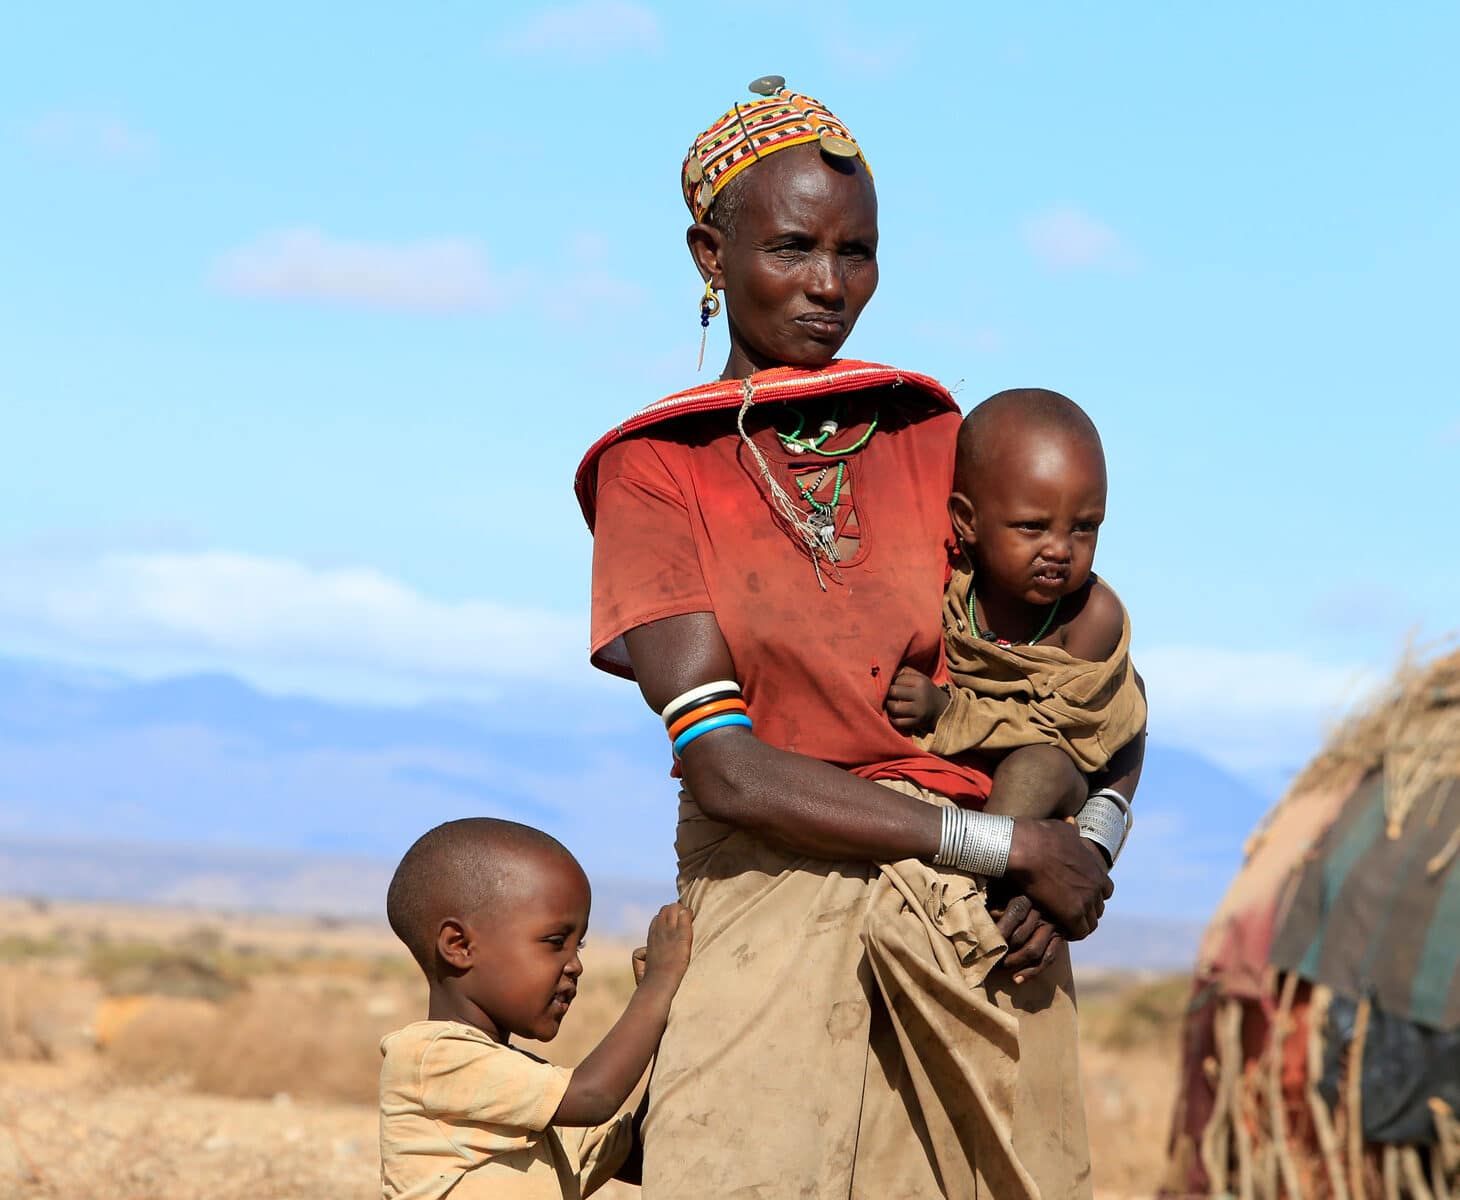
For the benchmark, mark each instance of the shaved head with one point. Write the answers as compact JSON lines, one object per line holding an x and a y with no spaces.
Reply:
{"x":459,"y":868}
{"x":996,"y":427}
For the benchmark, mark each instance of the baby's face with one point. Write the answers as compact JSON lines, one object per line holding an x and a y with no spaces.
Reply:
{"x":1038,"y":514}
{"x":526,"y":965}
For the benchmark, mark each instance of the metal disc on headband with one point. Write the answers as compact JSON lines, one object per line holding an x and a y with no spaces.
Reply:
{"x":768,"y":85}
{"x":840,"y":146}
{"x":694,"y":170}
{"x":706,"y":193}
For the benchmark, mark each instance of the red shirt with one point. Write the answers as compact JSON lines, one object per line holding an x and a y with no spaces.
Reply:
{"x":684,"y":524}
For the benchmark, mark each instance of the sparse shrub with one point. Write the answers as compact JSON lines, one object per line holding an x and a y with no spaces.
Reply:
{"x":147,"y":969}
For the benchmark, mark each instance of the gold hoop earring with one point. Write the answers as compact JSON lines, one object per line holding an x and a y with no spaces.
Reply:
{"x":709,"y":307}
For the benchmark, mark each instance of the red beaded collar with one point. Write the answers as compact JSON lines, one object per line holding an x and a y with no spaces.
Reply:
{"x":778,"y":385}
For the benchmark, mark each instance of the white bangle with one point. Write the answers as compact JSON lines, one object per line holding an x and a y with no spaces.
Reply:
{"x":975,"y":842}
{"x":1106,"y":820}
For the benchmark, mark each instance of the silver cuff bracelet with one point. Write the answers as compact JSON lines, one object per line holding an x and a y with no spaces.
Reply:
{"x":975,"y":842}
{"x":1106,"y":820}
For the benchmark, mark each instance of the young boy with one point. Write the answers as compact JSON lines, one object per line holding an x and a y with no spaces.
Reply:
{"x":495,"y":914}
{"x":1037,"y":646}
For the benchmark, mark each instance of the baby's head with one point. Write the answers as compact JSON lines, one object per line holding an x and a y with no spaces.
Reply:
{"x":495,"y":913}
{"x":1029,"y":493}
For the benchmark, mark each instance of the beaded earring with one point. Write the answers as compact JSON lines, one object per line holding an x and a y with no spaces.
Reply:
{"x":709,"y":307}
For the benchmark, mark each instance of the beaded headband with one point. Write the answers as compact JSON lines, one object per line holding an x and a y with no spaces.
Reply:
{"x":748,"y":132}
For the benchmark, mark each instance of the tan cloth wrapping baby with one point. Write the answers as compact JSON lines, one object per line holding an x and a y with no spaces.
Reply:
{"x":1006,"y":697}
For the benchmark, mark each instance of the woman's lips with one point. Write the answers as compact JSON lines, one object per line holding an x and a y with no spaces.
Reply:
{"x":822,"y":325}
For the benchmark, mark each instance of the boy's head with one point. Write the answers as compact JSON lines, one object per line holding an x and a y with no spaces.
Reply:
{"x":494,"y":912}
{"x":1029,"y":493}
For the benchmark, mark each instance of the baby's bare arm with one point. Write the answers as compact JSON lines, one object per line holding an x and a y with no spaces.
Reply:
{"x":1094,"y":632}
{"x":604,"y":1079}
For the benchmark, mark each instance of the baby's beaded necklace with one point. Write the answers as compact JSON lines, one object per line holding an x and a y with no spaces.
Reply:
{"x":990,"y":636}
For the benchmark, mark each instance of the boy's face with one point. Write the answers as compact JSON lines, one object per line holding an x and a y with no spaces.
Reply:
{"x":524,"y":947}
{"x":1036,"y":514}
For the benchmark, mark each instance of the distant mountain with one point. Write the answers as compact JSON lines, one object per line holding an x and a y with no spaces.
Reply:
{"x":210,"y":878}
{"x":260,"y":790}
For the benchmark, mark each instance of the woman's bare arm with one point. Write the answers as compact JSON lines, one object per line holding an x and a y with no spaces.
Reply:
{"x":818,"y":810}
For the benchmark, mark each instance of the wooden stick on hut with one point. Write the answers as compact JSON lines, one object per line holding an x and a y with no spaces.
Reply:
{"x":1414,"y":1175}
{"x":1323,"y":1119}
{"x":1281,"y":1028}
{"x":1354,"y":1100}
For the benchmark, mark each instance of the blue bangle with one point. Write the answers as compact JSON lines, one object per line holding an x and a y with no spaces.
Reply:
{"x":705,"y":726}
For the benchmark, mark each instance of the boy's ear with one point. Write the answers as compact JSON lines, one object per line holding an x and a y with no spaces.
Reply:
{"x":454,"y":944}
{"x":964,"y":517}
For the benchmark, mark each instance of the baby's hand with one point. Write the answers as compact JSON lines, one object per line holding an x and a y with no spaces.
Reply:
{"x":666,"y":957}
{"x":914,"y":702}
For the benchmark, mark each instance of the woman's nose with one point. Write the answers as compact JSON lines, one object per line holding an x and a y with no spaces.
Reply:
{"x":574,"y":966}
{"x":826,"y":283}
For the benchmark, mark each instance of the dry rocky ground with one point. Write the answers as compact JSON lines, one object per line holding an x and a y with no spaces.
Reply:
{"x":174,"y":1055}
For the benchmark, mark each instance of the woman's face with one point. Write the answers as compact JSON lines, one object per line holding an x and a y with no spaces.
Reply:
{"x":799,"y":262}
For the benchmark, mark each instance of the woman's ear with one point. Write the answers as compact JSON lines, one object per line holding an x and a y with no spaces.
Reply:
{"x":707,"y":248}
{"x":965,"y":519}
{"x":454,"y":944}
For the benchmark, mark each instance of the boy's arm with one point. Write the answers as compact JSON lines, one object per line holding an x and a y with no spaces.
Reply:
{"x":1093,"y":634}
{"x":603,"y":1081}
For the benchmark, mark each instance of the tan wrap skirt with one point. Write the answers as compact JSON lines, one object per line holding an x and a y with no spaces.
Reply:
{"x":844,"y":1031}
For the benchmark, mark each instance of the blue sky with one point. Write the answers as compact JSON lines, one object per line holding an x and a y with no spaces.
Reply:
{"x":306,"y":320}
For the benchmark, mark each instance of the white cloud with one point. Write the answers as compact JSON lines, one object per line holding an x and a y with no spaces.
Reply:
{"x":97,"y":136}
{"x":1066,"y":239}
{"x":1249,"y":710}
{"x":344,"y":633}
{"x":590,"y":29}
{"x":443,"y":275}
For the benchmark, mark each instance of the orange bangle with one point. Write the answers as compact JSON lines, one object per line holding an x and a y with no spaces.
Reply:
{"x":705,"y":710}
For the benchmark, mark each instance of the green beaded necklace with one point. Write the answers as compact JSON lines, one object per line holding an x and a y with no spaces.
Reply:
{"x":796,"y":444}
{"x":991,"y":636}
{"x":808,"y":490}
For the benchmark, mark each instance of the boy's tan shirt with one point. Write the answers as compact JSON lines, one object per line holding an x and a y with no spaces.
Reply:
{"x":466,"y":1116}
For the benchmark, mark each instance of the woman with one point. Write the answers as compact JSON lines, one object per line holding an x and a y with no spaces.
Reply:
{"x":780,"y":538}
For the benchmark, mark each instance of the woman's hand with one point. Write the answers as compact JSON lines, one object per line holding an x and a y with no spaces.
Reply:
{"x":914,"y":702}
{"x":1033,"y":941}
{"x":1061,"y":874}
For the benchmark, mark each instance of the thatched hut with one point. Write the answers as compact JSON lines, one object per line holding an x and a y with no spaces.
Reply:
{"x":1321,"y":1050}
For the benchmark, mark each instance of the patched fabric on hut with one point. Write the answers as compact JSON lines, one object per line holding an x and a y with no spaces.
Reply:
{"x":1321,"y":1052}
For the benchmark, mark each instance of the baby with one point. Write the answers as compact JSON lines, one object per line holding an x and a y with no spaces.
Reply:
{"x":1037,"y":645}
{"x":495,"y":914}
